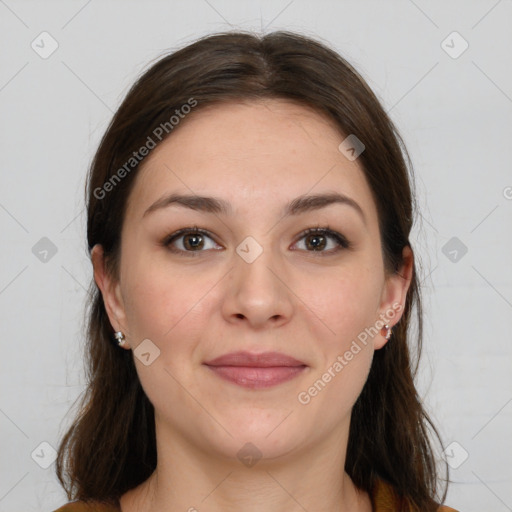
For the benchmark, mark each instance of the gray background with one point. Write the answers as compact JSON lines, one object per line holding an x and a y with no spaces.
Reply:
{"x":453,"y":110}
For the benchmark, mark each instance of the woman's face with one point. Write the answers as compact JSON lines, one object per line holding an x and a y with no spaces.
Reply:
{"x":255,"y":282}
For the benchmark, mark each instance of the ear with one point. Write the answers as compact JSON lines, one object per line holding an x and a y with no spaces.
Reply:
{"x":394,"y":294}
{"x":111,"y":292}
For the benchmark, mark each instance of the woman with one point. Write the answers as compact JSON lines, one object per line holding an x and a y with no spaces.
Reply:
{"x":249,"y":212}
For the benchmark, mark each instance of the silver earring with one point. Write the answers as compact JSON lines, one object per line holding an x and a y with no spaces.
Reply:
{"x":388,"y":331}
{"x":121,"y":340}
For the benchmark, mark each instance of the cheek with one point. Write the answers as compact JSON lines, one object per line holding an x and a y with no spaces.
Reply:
{"x":164,"y":307}
{"x":351,"y":311}
{"x":346,"y":304}
{"x":156,"y":299}
{"x":345,"y":373}
{"x":347,"y":308}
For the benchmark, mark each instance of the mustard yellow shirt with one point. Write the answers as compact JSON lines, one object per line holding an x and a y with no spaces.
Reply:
{"x":383,"y":497}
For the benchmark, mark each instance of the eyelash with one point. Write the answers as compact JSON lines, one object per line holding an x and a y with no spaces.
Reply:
{"x":325,"y":231}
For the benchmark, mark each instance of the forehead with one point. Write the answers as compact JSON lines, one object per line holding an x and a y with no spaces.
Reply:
{"x":262,"y":152}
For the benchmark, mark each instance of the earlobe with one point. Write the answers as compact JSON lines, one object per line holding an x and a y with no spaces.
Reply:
{"x":110,"y":290}
{"x":394,"y":297}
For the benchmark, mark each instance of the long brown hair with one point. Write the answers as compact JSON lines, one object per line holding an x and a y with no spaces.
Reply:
{"x":111,"y":446}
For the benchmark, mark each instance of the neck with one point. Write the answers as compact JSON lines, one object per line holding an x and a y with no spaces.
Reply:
{"x":189,"y":479}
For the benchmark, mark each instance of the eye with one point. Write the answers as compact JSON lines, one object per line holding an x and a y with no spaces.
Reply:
{"x":317,"y":239}
{"x":188,"y":241}
{"x":191,"y":241}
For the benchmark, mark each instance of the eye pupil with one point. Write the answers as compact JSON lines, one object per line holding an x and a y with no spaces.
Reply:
{"x":199,"y":242}
{"x":315,"y":244}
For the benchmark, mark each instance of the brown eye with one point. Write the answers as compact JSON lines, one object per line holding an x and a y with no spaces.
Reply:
{"x":193,"y":241}
{"x":316,"y":242}
{"x":317,"y":239}
{"x":189,"y":241}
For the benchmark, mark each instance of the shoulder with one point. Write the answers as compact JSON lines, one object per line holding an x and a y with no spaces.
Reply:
{"x":82,"y":506}
{"x":385,"y":499}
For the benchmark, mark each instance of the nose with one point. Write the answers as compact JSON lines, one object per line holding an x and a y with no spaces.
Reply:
{"x":258,"y":292}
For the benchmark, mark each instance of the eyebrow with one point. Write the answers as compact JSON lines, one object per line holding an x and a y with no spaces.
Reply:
{"x":216,"y":205}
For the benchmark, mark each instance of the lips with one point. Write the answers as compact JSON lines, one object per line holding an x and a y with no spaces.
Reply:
{"x":256,"y":371}
{"x":264,"y":360}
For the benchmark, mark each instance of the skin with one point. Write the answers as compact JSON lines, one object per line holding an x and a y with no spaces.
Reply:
{"x":258,"y":156}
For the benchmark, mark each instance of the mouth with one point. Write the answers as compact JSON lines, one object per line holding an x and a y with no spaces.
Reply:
{"x":256,"y":371}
